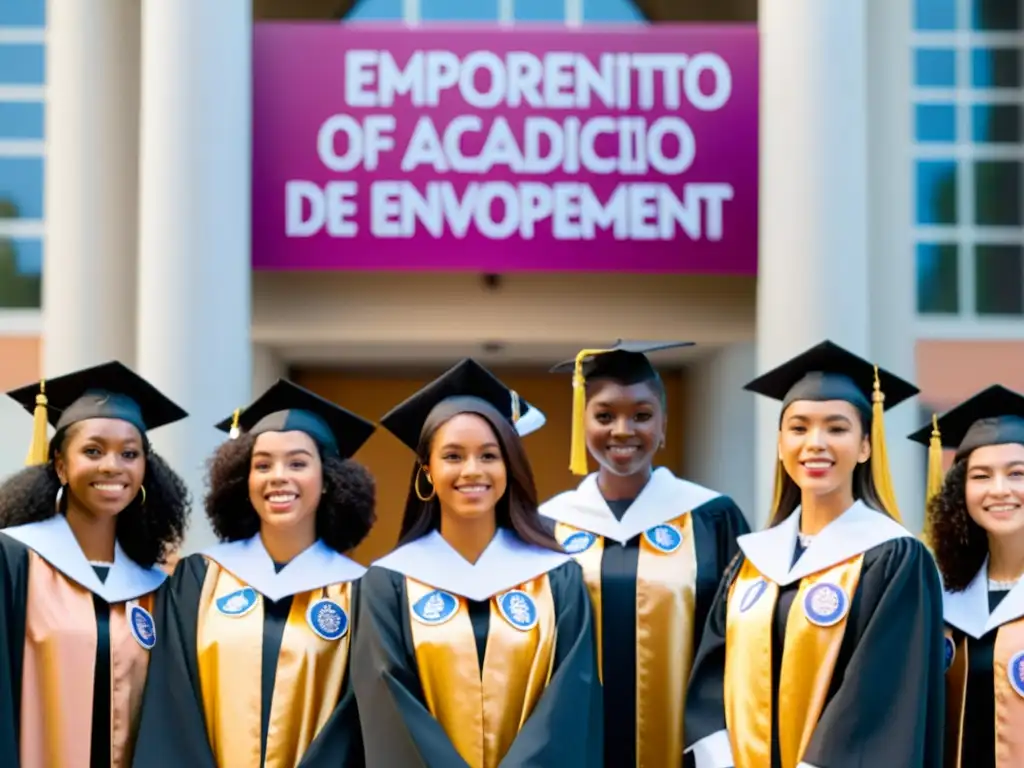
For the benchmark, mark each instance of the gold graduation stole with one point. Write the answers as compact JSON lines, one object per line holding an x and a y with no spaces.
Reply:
{"x":814,"y":634}
{"x":483,"y":712}
{"x":57,"y":678}
{"x":1008,"y":684}
{"x":666,"y":596}
{"x":307,"y":685}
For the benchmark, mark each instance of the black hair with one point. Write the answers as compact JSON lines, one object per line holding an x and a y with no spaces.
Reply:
{"x":959,"y":544}
{"x":516,"y":509}
{"x":343,"y":519}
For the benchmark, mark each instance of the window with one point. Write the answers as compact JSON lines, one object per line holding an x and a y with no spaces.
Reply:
{"x":22,"y":64}
{"x":21,"y":267}
{"x":21,"y":188}
{"x":376,"y":10}
{"x":968,"y":86}
{"x":617,"y":11}
{"x":459,"y":10}
{"x":539,"y":10}
{"x":21,"y":120}
{"x":22,"y":13}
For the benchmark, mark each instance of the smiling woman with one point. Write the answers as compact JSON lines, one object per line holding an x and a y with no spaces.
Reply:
{"x":475,"y":641}
{"x":84,"y":530}
{"x":256,"y":648}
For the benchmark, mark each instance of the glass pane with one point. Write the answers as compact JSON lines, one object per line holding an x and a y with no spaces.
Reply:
{"x":935,"y":68}
{"x":995,"y":68}
{"x":21,"y":188}
{"x":376,"y":10}
{"x":997,"y":200}
{"x":22,"y":64}
{"x":999,"y":280}
{"x":459,"y":10}
{"x":936,"y":191}
{"x":612,"y":10}
{"x":935,"y":122}
{"x":21,"y":119}
{"x":996,"y":124}
{"x":934,"y":14}
{"x":996,"y":14}
{"x":540,"y":10}
{"x":20,"y":273}
{"x":938,"y":291}
{"x":23,"y":13}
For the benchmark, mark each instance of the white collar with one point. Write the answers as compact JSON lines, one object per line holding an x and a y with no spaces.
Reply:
{"x":968,"y":610}
{"x":854,"y":532}
{"x":665,"y":497}
{"x":507,"y":562}
{"x":316,"y":567}
{"x":55,"y":542}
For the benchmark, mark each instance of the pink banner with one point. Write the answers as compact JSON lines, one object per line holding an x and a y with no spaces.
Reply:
{"x":505,"y":149}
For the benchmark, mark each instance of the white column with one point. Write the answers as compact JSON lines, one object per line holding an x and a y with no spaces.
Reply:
{"x":813,"y":259}
{"x":194,"y":264}
{"x":267,"y":368}
{"x":893,"y":295}
{"x":719,"y":452}
{"x":91,"y":183}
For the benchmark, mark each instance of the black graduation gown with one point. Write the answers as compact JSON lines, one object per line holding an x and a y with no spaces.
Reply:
{"x":564,"y":731}
{"x":173,"y":731}
{"x":885,"y":705}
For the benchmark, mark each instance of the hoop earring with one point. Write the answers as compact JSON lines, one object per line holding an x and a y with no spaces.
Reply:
{"x":142,"y":490}
{"x":416,"y":485}
{"x":59,"y":499}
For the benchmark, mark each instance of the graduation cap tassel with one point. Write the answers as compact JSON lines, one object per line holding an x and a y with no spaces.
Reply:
{"x":777,"y":492}
{"x":235,"y":431}
{"x":578,"y":447}
{"x":516,"y":406}
{"x":38,"y":452}
{"x":934,"y":474}
{"x":879,"y":456}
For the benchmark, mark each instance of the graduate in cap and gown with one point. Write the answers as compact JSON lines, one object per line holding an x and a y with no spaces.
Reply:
{"x":976,"y":529}
{"x":824,"y":646}
{"x":85,"y":528}
{"x":653,"y":548}
{"x":475,"y":644}
{"x":254,"y":666}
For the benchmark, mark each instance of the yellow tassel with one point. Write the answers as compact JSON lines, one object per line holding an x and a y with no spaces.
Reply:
{"x":39,"y":450}
{"x":777,"y":492}
{"x":578,"y":446}
{"x":935,"y":475}
{"x":235,"y":431}
{"x":879,"y":455}
{"x":515,"y":406}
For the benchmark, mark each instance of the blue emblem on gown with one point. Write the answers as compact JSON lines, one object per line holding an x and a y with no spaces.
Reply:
{"x":140,"y":621}
{"x":1015,"y":671}
{"x":752,"y":595}
{"x":237,"y":603}
{"x":435,"y":607}
{"x":327,"y":619}
{"x":518,"y":609}
{"x":578,"y":542}
{"x":825,"y":604}
{"x":665,"y":538}
{"x":950,"y":651}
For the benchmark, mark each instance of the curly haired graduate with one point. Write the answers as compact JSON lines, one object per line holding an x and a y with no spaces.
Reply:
{"x":84,"y":529}
{"x":254,"y":666}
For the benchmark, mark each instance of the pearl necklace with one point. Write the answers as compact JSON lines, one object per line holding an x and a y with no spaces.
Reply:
{"x":1002,"y":586}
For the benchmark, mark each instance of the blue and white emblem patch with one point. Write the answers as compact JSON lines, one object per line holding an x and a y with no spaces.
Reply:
{"x":752,"y":595}
{"x":237,"y":603}
{"x":665,"y":538}
{"x":949,"y":649}
{"x":1015,"y":672}
{"x":435,"y":607}
{"x":327,"y":619}
{"x":578,"y":542}
{"x":518,"y":609}
{"x":140,"y":621}
{"x":825,"y":604}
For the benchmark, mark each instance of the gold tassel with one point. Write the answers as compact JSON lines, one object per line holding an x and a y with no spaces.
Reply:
{"x":235,"y":431}
{"x":578,"y":445}
{"x":777,"y":492}
{"x":515,"y":406}
{"x":879,"y":455}
{"x":934,"y":475}
{"x":39,"y":450}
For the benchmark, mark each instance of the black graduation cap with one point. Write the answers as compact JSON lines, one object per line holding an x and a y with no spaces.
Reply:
{"x":829,"y":372}
{"x":287,"y":407}
{"x":625,"y":361}
{"x":465,"y":379}
{"x":993,"y":416}
{"x":107,"y":391}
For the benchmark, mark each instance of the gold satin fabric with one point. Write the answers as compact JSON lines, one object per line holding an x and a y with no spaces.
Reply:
{"x":307,"y":684}
{"x":666,"y":596}
{"x":808,"y":662}
{"x":956,"y":698}
{"x":58,"y":669}
{"x":483,"y":713}
{"x":590,"y":563}
{"x":1009,"y":731}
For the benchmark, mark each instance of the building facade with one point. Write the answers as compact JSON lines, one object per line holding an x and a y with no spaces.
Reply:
{"x":890,"y":213}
